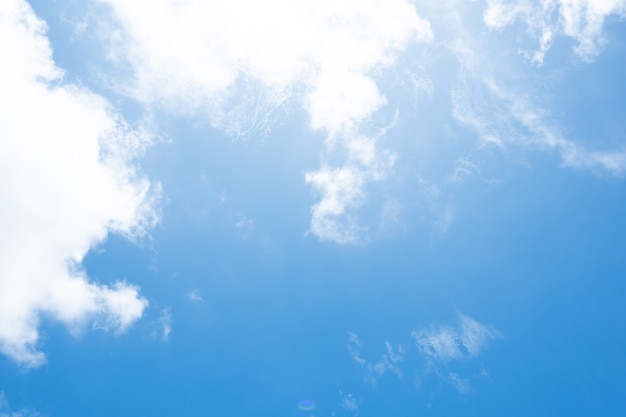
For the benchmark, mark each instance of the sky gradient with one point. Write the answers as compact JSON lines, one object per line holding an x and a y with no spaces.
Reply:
{"x":312,"y":208}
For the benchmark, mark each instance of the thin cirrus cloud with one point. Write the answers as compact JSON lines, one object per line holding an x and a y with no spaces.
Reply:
{"x":163,"y":326}
{"x":438,"y":346}
{"x":7,"y":411}
{"x":446,"y":343}
{"x":389,"y":362}
{"x":519,"y":121}
{"x":195,"y":296}
{"x":582,"y":20}
{"x":67,"y":180}
{"x":501,"y":103}
{"x":236,"y":62}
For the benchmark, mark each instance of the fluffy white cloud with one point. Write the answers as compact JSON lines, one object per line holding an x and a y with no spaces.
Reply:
{"x":66,"y":180}
{"x":582,"y":20}
{"x":240,"y":60}
{"x":445,"y":343}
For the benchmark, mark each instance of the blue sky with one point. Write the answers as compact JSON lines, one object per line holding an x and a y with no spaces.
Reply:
{"x":385,"y":208}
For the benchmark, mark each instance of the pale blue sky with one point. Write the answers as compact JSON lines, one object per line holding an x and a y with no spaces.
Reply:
{"x":388,"y":208}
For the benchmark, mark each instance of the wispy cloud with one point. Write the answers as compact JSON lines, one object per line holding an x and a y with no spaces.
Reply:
{"x":163,"y":326}
{"x":462,"y":385}
{"x":582,"y":20}
{"x":195,"y":296}
{"x":240,"y":61}
{"x":438,"y":347}
{"x":244,"y":226}
{"x":441,"y":212}
{"x":6,"y":411}
{"x":463,"y":341}
{"x":354,"y":347}
{"x":517,"y":121}
{"x":67,"y":178}
{"x":350,"y":403}
{"x":389,"y":362}
{"x":442,"y":345}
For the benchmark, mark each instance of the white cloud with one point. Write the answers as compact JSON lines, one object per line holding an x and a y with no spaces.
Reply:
{"x":582,"y":20}
{"x":446,"y":343}
{"x":239,"y":61}
{"x":440,"y":345}
{"x":341,"y":190}
{"x":462,"y":385}
{"x":195,"y":296}
{"x":163,"y":326}
{"x":354,"y":347}
{"x":5,"y":409}
{"x":517,"y":120}
{"x":67,"y":180}
{"x":350,"y":403}
{"x":389,"y":361}
{"x":244,"y":224}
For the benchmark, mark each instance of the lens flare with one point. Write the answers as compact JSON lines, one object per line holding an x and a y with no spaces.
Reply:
{"x":306,"y":405}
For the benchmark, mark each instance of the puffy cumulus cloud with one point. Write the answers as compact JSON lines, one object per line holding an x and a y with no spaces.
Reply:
{"x":240,"y":60}
{"x":582,"y":20}
{"x":67,"y":180}
{"x":445,"y":343}
{"x":342,"y":188}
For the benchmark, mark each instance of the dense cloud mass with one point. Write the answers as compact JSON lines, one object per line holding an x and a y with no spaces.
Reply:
{"x":66,"y":181}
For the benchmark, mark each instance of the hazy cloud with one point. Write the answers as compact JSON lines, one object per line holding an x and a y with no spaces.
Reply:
{"x":6,"y":411}
{"x":438,"y":347}
{"x":462,"y":385}
{"x":517,"y":120}
{"x":350,"y":403}
{"x":389,"y":362}
{"x":195,"y":296}
{"x":163,"y":326}
{"x":464,"y":341}
{"x":354,"y":347}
